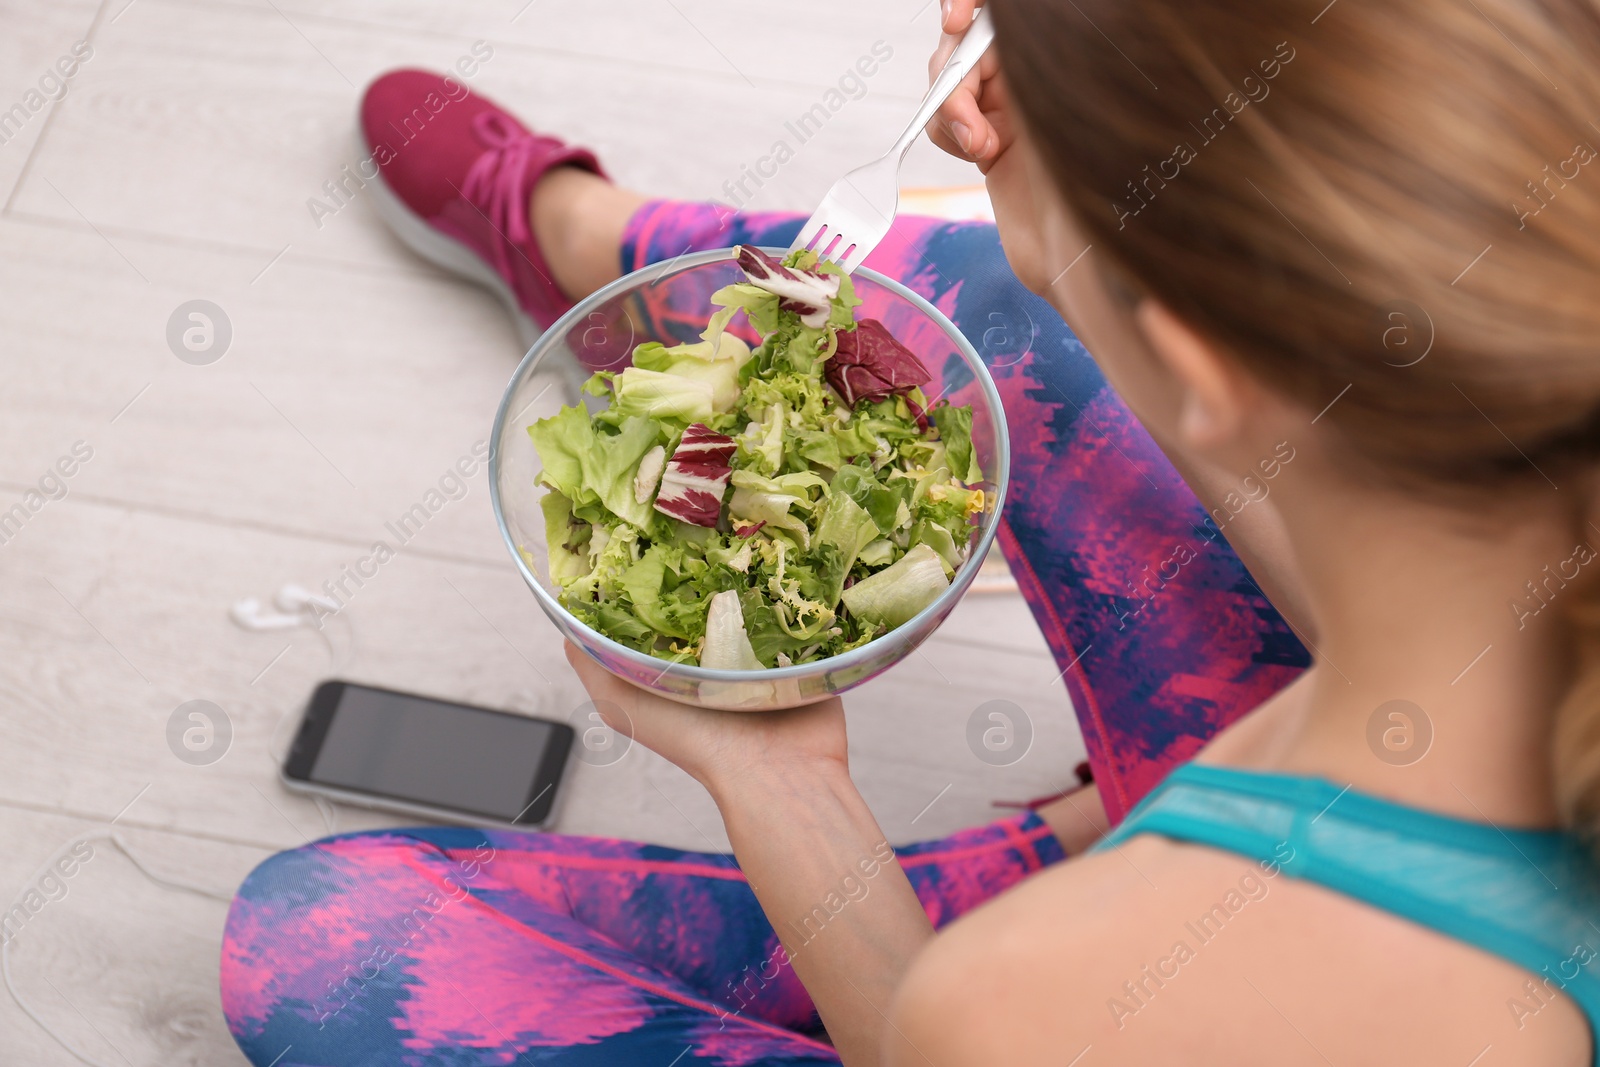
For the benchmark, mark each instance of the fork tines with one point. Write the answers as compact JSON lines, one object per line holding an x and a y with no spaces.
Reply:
{"x":828,"y":242}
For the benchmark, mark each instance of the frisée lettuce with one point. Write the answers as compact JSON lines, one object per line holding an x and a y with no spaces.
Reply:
{"x":746,"y":508}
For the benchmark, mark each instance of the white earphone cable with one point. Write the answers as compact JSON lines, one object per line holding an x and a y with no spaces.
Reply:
{"x":49,"y":865}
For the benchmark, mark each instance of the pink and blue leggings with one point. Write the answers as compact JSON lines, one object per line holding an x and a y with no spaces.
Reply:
{"x":466,"y":948}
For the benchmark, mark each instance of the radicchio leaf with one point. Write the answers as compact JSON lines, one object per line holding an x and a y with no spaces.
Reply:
{"x":696,"y":476}
{"x":870,"y":364}
{"x":804,"y":292}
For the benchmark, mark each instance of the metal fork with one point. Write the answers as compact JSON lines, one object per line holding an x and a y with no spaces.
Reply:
{"x":858,"y":211}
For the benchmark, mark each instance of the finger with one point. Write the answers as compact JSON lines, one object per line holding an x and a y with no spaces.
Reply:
{"x":957,"y":15}
{"x":961,"y":128}
{"x":941,"y":54}
{"x":962,"y":106}
{"x":985,"y":67}
{"x":943,"y":137}
{"x":964,"y":118}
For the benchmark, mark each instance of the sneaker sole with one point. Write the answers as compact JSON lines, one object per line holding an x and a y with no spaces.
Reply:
{"x":450,"y":255}
{"x":456,"y":258}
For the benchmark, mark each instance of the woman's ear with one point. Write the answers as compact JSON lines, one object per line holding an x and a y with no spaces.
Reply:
{"x":1213,"y":391}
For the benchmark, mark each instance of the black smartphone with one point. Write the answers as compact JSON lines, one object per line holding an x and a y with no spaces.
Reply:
{"x":454,"y":762}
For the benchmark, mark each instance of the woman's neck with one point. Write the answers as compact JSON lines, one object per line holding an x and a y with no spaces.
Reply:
{"x":1430,"y":687}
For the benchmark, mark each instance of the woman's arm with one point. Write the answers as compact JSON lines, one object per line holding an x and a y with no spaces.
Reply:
{"x":812,"y":852}
{"x":829,"y":883}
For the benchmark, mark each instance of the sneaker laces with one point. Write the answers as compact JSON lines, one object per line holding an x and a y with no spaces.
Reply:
{"x":496,"y":183}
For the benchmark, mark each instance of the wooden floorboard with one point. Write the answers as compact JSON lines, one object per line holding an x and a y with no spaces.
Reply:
{"x":177,"y":166}
{"x":36,"y":38}
{"x":248,"y":130}
{"x":124,"y":969}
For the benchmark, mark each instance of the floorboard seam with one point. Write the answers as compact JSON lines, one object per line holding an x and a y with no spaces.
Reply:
{"x":44,"y":130}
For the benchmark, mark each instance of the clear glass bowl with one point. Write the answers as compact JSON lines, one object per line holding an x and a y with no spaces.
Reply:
{"x":670,"y":303}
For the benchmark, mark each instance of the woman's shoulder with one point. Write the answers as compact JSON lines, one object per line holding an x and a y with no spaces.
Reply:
{"x":1068,"y":960}
{"x":1158,"y":949}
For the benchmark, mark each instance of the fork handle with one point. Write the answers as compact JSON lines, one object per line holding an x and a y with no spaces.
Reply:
{"x":973,"y":45}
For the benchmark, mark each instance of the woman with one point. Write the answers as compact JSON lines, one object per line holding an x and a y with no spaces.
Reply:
{"x":1341,"y":266}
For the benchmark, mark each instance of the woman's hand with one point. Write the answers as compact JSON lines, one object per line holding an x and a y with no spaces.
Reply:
{"x":977,"y":123}
{"x":974,"y":123}
{"x":718,"y":748}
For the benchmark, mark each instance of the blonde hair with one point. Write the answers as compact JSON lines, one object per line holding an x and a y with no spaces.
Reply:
{"x":1395,"y":206}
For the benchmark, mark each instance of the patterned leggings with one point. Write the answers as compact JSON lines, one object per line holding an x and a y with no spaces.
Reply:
{"x":468,"y":948}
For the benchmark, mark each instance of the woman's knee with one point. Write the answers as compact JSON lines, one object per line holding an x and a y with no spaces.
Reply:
{"x":306,"y":933}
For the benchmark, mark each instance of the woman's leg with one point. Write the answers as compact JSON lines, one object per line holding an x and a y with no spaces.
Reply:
{"x":468,"y":947}
{"x":1161,"y":635}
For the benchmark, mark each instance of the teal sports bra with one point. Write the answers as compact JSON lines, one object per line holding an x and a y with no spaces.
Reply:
{"x":1528,"y":896}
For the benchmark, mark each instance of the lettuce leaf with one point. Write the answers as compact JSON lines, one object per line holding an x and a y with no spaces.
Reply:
{"x":716,"y":363}
{"x":758,"y":499}
{"x":819,"y":447}
{"x":892,"y":596}
{"x":768,"y":639}
{"x":843,"y":316}
{"x":940,"y":539}
{"x":955,"y":430}
{"x":806,"y":347}
{"x":610,"y":466}
{"x":562,"y":441}
{"x":759,"y":305}
{"x":847,"y":527}
{"x":879,"y":553}
{"x":612,"y":550}
{"x":727,"y":644}
{"x":885,"y":505}
{"x":617,"y":624}
{"x":642,"y":583}
{"x":589,"y":467}
{"x":761,"y":444}
{"x":658,"y":395}
{"x":568,"y":560}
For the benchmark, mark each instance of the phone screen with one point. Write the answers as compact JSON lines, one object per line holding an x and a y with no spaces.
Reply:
{"x":411,"y":748}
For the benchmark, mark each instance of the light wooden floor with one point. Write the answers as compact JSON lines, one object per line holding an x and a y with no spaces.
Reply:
{"x":178,"y":166}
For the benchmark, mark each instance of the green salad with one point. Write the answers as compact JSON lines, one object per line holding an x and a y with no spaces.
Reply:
{"x":746,"y":508}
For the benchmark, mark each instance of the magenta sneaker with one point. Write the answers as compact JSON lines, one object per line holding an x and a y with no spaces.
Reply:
{"x":455,"y":171}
